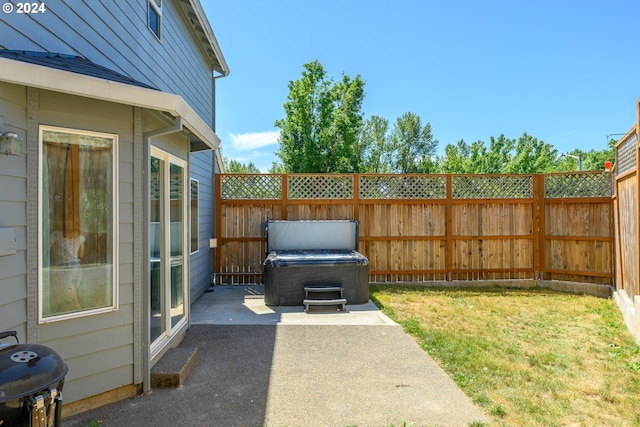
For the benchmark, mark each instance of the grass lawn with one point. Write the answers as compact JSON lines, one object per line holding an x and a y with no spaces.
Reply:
{"x":526,"y":357}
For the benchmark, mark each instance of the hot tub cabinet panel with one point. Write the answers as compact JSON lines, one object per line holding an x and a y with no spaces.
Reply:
{"x":321,"y":253}
{"x":286,"y":274}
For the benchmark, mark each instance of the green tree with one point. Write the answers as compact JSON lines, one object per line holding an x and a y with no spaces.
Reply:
{"x":233,"y":166}
{"x":494,"y":158}
{"x":322,"y":123}
{"x":595,"y":159}
{"x":591,"y":160}
{"x":277,"y":167}
{"x":477,"y":157}
{"x":531,"y":156}
{"x":412,"y":145}
{"x":374,"y":146}
{"x":567,"y":162}
{"x":503,"y":155}
{"x":455,"y":158}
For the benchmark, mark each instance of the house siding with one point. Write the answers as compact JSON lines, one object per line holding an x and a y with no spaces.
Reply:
{"x":114,"y":34}
{"x":98,"y":348}
{"x":202,"y":169}
{"x":13,"y":205}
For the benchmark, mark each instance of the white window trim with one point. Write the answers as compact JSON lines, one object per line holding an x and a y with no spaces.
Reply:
{"x":157,"y":7}
{"x":197,"y":236}
{"x":114,"y":225}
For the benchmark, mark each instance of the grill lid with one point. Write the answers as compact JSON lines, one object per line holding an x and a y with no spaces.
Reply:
{"x":26,"y":369}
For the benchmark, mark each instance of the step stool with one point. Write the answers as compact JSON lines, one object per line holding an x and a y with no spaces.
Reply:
{"x":324,"y":296}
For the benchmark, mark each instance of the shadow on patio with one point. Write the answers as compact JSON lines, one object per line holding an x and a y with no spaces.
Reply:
{"x":325,"y":369}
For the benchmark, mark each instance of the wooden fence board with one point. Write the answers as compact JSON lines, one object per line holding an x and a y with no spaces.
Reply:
{"x":627,"y":189}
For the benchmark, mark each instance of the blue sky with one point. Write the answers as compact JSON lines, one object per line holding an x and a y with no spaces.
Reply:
{"x":564,"y":71}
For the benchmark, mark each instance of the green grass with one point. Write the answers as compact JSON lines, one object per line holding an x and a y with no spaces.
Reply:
{"x":526,"y":357}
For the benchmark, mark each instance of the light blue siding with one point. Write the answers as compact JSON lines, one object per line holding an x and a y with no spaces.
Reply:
{"x":114,"y":34}
{"x":13,"y":205}
{"x":202,"y":169}
{"x":79,"y":341}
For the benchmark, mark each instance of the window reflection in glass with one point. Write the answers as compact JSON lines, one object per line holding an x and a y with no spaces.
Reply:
{"x":158,"y":323}
{"x":194,"y":215}
{"x":176,"y":208}
{"x":77,"y":202}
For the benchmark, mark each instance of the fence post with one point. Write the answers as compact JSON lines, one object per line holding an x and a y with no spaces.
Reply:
{"x":538,"y":226}
{"x":356,"y":196}
{"x":448,"y":227}
{"x":636,"y":291}
{"x":218,"y":223}
{"x":285,"y":197}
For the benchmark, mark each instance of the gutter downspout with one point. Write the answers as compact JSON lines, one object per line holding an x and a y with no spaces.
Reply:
{"x":146,"y":359}
{"x":218,"y":159}
{"x":217,"y":150}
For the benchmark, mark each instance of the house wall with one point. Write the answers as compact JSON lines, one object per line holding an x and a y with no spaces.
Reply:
{"x":202,"y":169}
{"x":114,"y":34}
{"x":99,"y":349}
{"x":108,"y":351}
{"x":13,"y":205}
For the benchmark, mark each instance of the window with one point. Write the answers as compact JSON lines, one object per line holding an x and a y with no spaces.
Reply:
{"x":77,"y":223}
{"x":194,"y":215}
{"x":154,"y":10}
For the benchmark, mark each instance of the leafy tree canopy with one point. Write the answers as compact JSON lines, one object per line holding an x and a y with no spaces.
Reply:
{"x":233,"y":166}
{"x":322,"y":123}
{"x":412,"y":145}
{"x":503,"y":155}
{"x":374,"y":146}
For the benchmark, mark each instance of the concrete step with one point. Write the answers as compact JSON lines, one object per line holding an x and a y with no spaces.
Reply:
{"x":174,"y":367}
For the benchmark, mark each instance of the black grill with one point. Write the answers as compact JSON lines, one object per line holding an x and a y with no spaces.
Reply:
{"x":31,"y":380}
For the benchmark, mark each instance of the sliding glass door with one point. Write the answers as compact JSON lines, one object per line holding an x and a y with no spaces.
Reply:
{"x":167,"y":246}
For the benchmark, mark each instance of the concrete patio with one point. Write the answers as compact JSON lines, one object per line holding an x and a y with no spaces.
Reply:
{"x":280,"y":366}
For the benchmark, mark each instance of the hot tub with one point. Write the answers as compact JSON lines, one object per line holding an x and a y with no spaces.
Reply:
{"x":313,"y":253}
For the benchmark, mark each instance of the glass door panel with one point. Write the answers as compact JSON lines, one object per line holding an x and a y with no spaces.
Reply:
{"x":176,"y":237}
{"x":156,"y":249}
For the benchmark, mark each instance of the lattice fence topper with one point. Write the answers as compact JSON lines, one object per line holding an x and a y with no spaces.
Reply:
{"x":626,"y":155}
{"x":251,"y":187}
{"x":577,"y":185}
{"x":403,"y":187}
{"x":492,"y":187}
{"x":320,"y":186}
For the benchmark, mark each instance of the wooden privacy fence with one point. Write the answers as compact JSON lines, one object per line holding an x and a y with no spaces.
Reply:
{"x":420,"y":228}
{"x":625,"y":201}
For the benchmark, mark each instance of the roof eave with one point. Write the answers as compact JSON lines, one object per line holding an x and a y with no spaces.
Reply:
{"x":211,"y":40}
{"x":26,"y":74}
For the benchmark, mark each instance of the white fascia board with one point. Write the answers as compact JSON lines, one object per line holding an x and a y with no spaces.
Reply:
{"x":211,"y":38}
{"x":26,"y":74}
{"x":195,"y":123}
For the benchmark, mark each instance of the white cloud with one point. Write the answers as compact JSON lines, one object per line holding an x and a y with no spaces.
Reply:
{"x":253,"y":140}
